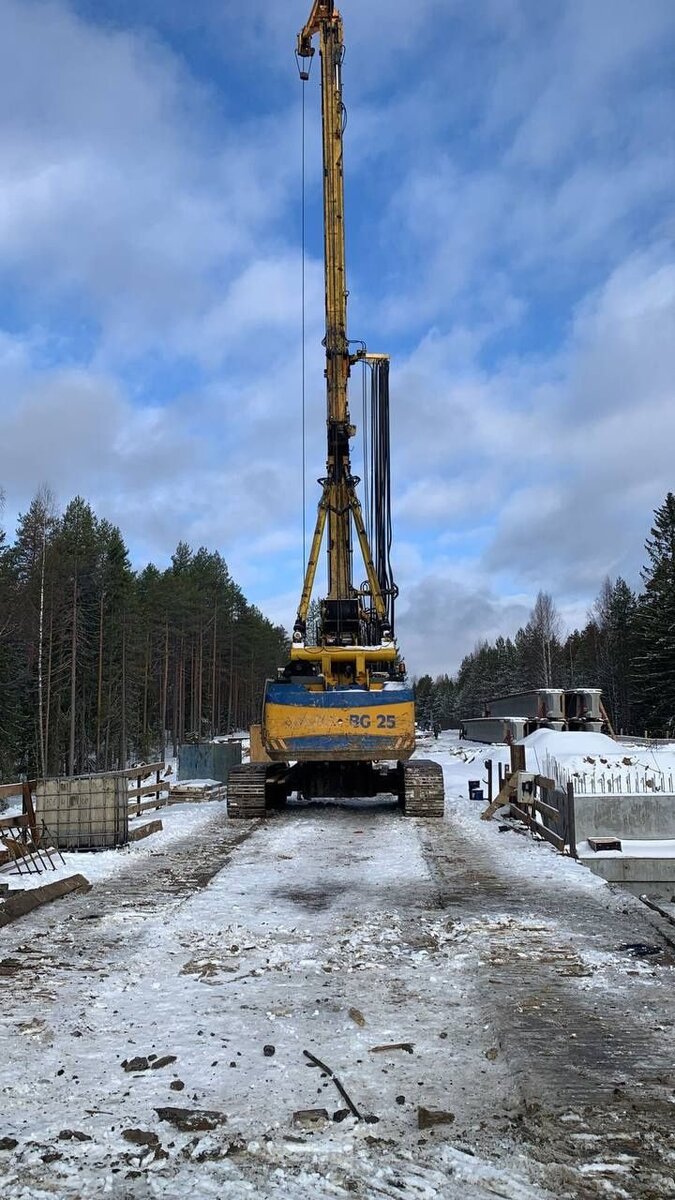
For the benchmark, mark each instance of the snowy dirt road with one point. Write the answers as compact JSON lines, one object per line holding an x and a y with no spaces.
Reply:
{"x":500,"y":967}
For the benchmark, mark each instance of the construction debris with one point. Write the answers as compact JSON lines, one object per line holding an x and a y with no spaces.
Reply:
{"x":316,"y":1062}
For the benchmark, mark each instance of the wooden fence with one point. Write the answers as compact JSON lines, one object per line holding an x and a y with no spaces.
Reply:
{"x":549,"y":813}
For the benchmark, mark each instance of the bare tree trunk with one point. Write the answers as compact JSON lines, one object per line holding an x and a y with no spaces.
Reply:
{"x":200,"y":665}
{"x":214,"y":726}
{"x":176,"y":700}
{"x":230,"y":694}
{"x":41,"y":618}
{"x":145,"y":689}
{"x":165,"y":687}
{"x":181,"y":706}
{"x":123,"y":731}
{"x":73,"y":681}
{"x":49,"y":681}
{"x":99,"y":686}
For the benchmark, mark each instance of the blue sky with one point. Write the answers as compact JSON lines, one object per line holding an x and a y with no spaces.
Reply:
{"x":510,"y":170}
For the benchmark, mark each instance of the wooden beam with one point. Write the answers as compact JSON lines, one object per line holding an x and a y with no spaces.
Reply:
{"x":143,"y":831}
{"x":507,"y":789}
{"x":20,"y":821}
{"x":147,"y":790}
{"x":547,"y":809}
{"x":142,"y":770}
{"x":9,"y":790}
{"x":544,"y":782}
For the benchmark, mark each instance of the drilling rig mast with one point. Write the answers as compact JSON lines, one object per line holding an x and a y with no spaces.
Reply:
{"x":340,"y":720}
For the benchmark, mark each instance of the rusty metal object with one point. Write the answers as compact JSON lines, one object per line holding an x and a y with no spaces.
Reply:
{"x":316,"y":1062}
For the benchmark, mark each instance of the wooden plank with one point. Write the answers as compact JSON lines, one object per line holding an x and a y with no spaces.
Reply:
{"x":9,"y":790}
{"x":143,"y":831}
{"x":29,"y":809}
{"x":507,"y":788}
{"x":543,"y":782}
{"x":143,"y":769}
{"x":571,"y":819}
{"x":25,"y":901}
{"x":546,"y":833}
{"x":20,"y":820}
{"x":517,"y":757}
{"x":135,"y":810}
{"x":148,"y":789}
{"x":196,"y":797}
{"x":551,"y":837}
{"x":547,"y":809}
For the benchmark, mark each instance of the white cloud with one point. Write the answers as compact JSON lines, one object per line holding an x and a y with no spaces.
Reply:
{"x":507,"y":177}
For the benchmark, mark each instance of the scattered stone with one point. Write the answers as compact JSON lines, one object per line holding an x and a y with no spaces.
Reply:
{"x":426,"y":1117}
{"x":76,"y":1135}
{"x":136,"y":1064}
{"x":310,"y":1117}
{"x":268,"y":1051}
{"x":176,"y":1085}
{"x":400,"y":1099}
{"x":340,"y":1114}
{"x":492,"y":1053}
{"x":140,"y":1137}
{"x":357,"y":1017}
{"x":51,"y":1156}
{"x":8,"y":1143}
{"x":164,"y":1061}
{"x":191,"y":1120}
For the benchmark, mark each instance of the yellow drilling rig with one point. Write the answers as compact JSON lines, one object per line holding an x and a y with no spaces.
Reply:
{"x":339,"y":721}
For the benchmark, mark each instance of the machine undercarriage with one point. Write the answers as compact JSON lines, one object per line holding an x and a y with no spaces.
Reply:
{"x":256,"y":788}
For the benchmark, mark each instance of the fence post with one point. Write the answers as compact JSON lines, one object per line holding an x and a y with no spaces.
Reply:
{"x":157,"y":792}
{"x":139,"y":784}
{"x":488,"y":767}
{"x":29,"y":809}
{"x":571,"y":819}
{"x":517,"y":757}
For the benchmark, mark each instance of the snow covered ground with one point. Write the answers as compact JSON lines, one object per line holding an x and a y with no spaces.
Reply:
{"x":597,"y":765}
{"x":449,"y":966}
{"x":178,"y":822}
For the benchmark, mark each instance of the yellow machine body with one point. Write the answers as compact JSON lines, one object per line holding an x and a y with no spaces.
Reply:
{"x":343,"y":713}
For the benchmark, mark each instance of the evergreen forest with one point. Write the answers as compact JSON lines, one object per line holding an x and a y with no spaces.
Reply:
{"x":627,"y":648}
{"x":101,"y":665}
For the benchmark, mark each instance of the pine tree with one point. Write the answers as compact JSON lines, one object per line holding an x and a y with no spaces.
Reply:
{"x":655,"y":660}
{"x":615,"y":613}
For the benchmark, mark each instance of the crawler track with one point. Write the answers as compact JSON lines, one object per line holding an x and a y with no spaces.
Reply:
{"x":246,"y":791}
{"x":423,"y":791}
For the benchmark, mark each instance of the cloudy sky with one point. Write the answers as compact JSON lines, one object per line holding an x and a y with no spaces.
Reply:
{"x":510,"y":176}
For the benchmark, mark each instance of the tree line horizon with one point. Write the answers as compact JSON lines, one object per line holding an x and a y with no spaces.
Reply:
{"x":627,"y":648}
{"x":102,"y":665}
